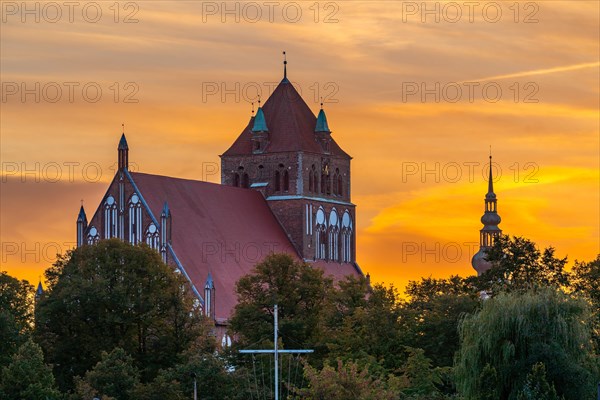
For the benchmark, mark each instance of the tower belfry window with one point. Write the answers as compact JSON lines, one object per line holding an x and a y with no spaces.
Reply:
{"x":277,"y":181}
{"x":286,"y":181}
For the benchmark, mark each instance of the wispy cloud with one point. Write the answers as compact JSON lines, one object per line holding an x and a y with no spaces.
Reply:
{"x":544,"y":71}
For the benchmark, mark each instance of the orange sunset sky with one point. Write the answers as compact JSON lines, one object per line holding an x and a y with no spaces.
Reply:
{"x":403,"y":86}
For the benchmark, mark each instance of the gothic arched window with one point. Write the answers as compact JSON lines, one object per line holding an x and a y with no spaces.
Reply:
{"x":340,"y":191}
{"x":346,"y":236}
{"x":245,"y":181}
{"x":135,"y":219}
{"x":93,"y":236}
{"x":110,"y":217}
{"x":320,"y":235}
{"x":310,"y":181}
{"x":333,"y":236}
{"x":236,"y":179}
{"x":152,"y":237}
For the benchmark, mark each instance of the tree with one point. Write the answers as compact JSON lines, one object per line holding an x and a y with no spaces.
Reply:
{"x":214,"y":381}
{"x":109,"y":295}
{"x":300,"y":292}
{"x":536,"y":386}
{"x":347,"y":381}
{"x":517,"y":264}
{"x":419,"y":379}
{"x":27,"y":377}
{"x":514,"y":331}
{"x":586,"y":282}
{"x":16,"y":315}
{"x":363,"y":325}
{"x":432,"y":313}
{"x":113,"y":377}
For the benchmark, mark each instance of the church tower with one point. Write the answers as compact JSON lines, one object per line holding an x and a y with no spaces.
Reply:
{"x":490,"y":231}
{"x":290,"y":156}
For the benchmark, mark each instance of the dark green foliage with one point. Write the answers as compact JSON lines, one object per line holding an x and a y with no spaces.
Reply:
{"x":16,"y":315}
{"x":347,"y":381}
{"x":113,"y":295}
{"x":536,"y":386}
{"x":214,"y":382}
{"x":432,"y":313}
{"x":27,"y":377}
{"x":114,"y":376}
{"x":300,"y":292}
{"x":366,"y":331}
{"x":419,"y":379}
{"x":517,"y":264}
{"x":513,"y":332}
{"x":586,"y":282}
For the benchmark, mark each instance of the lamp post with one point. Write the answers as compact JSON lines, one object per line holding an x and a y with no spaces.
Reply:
{"x":193,"y":375}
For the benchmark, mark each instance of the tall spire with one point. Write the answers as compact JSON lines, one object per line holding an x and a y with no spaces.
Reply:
{"x":285,"y":79}
{"x":40,"y":290}
{"x":490,"y":179}
{"x":490,"y":231}
{"x":81,"y":226}
{"x":123,"y":151}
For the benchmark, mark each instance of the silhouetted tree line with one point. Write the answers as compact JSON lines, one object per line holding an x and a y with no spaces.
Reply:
{"x":117,"y":323}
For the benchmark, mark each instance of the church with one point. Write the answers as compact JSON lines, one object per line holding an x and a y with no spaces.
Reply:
{"x":285,"y":188}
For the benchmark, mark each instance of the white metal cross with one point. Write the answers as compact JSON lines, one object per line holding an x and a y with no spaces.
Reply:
{"x":276,"y":351}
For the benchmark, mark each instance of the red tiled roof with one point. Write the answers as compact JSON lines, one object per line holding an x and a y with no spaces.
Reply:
{"x":220,"y":229}
{"x":291,"y":125}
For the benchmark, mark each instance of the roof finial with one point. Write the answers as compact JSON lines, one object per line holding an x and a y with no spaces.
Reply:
{"x":321,"y":102}
{"x":253,"y":109}
{"x":259,"y":101}
{"x":123,"y":127}
{"x":284,"y":66}
{"x":81,"y":202}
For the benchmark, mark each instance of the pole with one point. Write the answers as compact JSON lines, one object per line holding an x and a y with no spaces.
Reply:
{"x":193,"y":375}
{"x":276,"y":353}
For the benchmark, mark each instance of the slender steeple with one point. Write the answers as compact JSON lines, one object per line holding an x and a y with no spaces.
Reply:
{"x":123,"y":152}
{"x":322,"y":132}
{"x":81,"y":225}
{"x":209,"y":297}
{"x":39,"y":291}
{"x":322,"y":125}
{"x":490,"y":231}
{"x":260,"y":124}
{"x":260,"y":131}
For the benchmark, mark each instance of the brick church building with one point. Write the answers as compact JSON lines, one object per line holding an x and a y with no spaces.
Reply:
{"x":285,"y":187}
